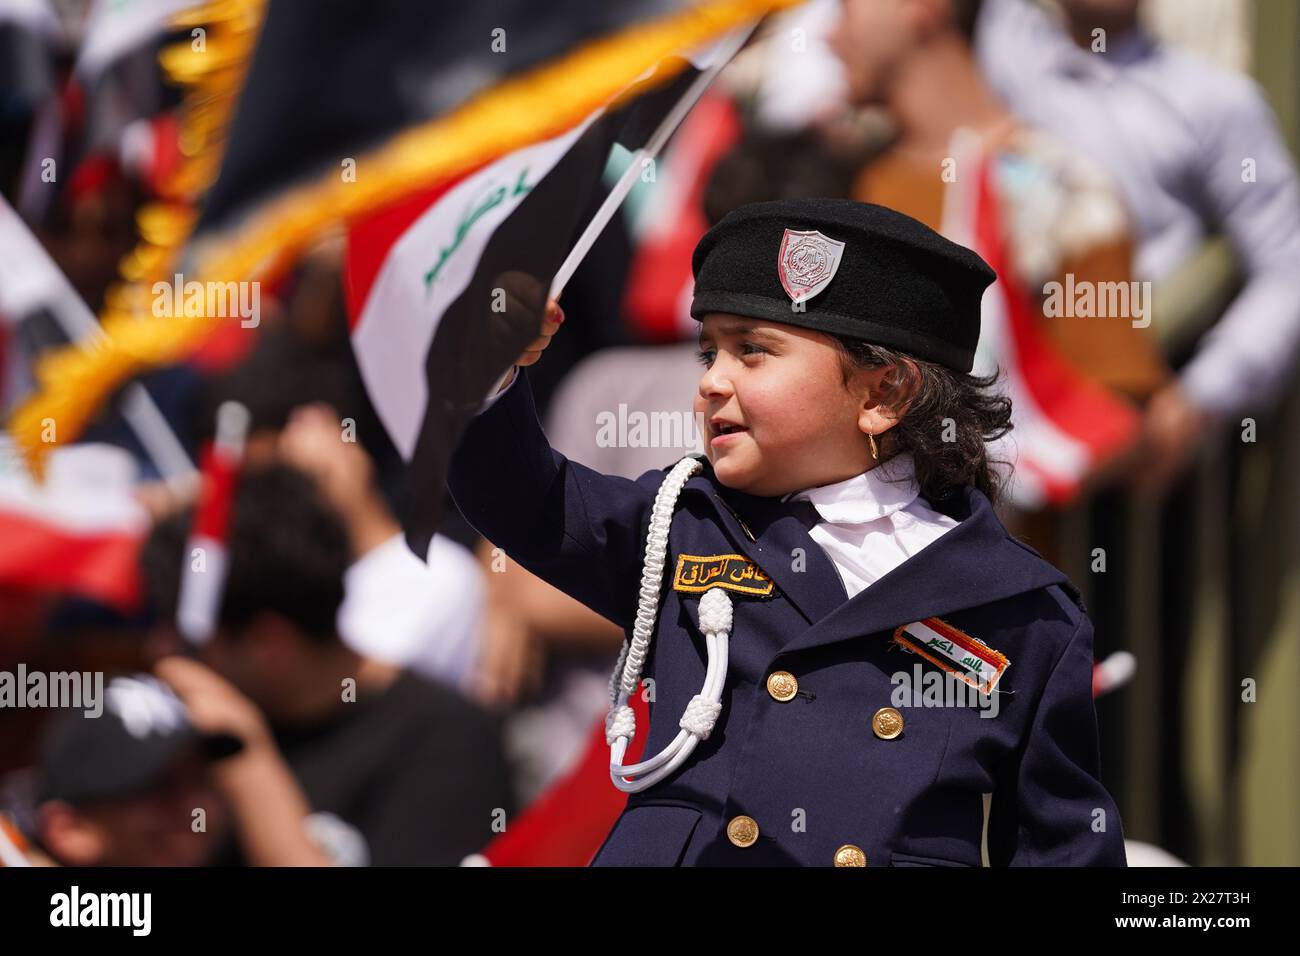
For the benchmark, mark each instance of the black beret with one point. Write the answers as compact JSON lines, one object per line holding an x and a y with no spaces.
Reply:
{"x":862,"y":271}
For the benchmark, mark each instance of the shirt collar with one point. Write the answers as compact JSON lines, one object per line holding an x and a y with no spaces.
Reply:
{"x":1126,"y":50}
{"x":889,"y":487}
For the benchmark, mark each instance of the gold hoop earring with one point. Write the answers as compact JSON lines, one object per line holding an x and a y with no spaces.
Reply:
{"x":875,"y":452}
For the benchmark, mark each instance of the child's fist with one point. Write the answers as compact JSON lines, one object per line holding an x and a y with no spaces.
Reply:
{"x":551,"y":321}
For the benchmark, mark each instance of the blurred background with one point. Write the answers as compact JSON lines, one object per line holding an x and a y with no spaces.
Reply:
{"x":1078,"y":143}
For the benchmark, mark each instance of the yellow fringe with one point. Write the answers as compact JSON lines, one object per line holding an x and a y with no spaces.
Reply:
{"x":73,"y":382}
{"x":513,"y":114}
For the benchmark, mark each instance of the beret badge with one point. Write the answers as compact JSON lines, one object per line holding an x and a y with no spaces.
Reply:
{"x":807,"y":263}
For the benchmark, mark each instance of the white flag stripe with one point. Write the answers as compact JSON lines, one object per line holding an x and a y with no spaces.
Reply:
{"x":30,"y":280}
{"x":36,"y":15}
{"x":88,"y":490}
{"x":116,"y":27}
{"x":10,"y":855}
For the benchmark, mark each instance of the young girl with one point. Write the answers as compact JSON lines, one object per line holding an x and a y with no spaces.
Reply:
{"x":848,"y":660}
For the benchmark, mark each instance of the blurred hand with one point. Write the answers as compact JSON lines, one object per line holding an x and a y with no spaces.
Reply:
{"x":264,"y":798}
{"x":312,"y":441}
{"x":215,"y":705}
{"x":1173,"y":427}
{"x":160,"y":498}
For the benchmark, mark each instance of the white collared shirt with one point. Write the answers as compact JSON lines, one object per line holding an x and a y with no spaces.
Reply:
{"x":873,"y":522}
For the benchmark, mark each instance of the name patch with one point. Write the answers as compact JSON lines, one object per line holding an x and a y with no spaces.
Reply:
{"x":735,"y":572}
{"x":955,"y":651}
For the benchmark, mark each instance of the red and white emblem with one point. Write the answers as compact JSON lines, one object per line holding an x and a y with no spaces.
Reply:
{"x":807,"y":263}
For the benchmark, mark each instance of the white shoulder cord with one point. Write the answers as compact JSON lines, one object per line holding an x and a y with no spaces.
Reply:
{"x":715,"y":621}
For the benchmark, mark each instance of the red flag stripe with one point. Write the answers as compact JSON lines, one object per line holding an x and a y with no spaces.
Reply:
{"x":1075,"y":404}
{"x":44,"y":557}
{"x":370,"y":240}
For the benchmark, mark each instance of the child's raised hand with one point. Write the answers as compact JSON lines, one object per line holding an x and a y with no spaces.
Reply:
{"x":551,"y":321}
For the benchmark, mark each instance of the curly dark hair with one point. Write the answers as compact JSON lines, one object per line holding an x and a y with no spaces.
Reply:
{"x":946,"y":456}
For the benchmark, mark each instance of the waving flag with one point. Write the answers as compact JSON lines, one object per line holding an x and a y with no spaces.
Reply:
{"x":79,"y":532}
{"x":40,"y":308}
{"x":322,"y":116}
{"x":423,"y":277}
{"x":198,"y":603}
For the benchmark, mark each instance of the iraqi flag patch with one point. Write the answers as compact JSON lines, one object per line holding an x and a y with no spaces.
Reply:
{"x":955,"y":651}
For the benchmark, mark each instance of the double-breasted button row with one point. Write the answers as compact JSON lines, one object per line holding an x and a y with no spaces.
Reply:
{"x":743,"y":831}
{"x":886,"y":723}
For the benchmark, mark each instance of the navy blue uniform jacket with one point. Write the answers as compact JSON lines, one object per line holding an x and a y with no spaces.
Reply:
{"x":809,"y":771}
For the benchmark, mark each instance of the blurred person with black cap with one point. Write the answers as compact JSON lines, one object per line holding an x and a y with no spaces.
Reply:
{"x":122,"y":789}
{"x":178,"y":765}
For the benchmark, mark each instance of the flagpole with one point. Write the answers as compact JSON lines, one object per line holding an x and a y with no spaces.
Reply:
{"x":725,"y":51}
{"x":138,"y":407}
{"x":79,"y":324}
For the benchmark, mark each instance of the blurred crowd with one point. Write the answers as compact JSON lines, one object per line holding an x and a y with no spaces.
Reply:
{"x":359,"y":704}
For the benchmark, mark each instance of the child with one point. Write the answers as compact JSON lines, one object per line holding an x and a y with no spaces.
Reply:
{"x":848,"y":660}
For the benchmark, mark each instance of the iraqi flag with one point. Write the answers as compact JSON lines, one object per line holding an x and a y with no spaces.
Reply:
{"x":206,"y":563}
{"x":313,"y":117}
{"x":427,"y":279}
{"x":39,"y":310}
{"x":33,"y":293}
{"x":1067,"y":428}
{"x":79,"y":532}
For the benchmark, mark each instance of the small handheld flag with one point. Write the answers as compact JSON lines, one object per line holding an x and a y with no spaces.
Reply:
{"x":207,"y":554}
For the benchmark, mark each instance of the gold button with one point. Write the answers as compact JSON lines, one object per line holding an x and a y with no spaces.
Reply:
{"x":743,"y":831}
{"x":887,"y":723}
{"x":850,"y":855}
{"x":782,"y":685}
